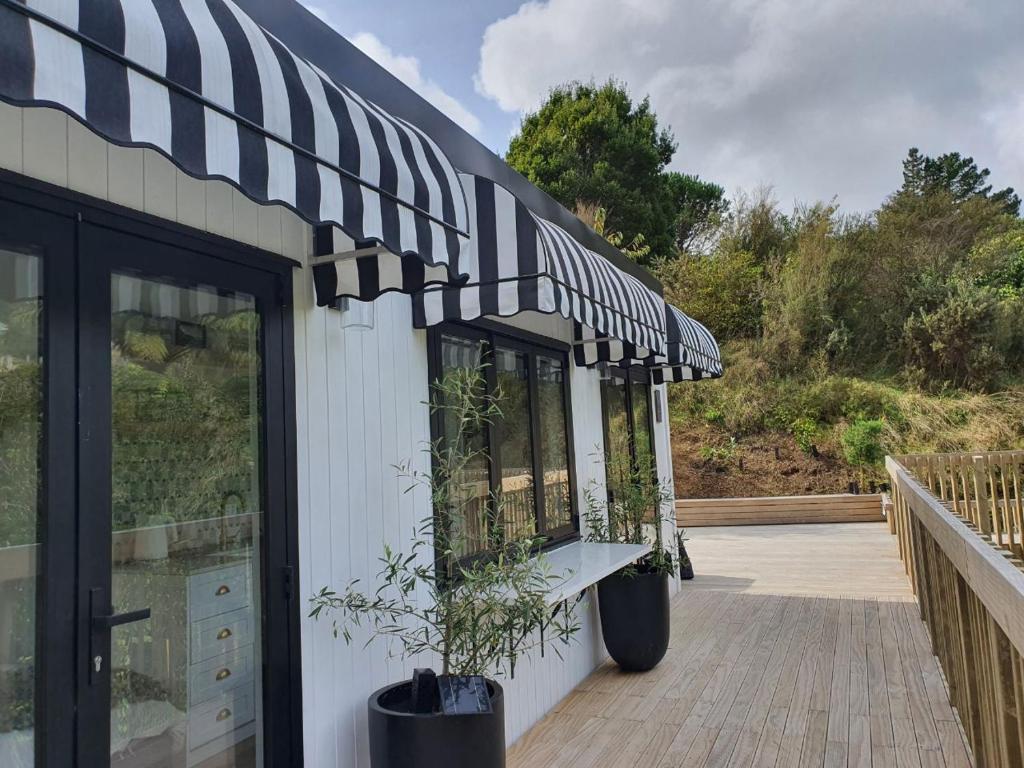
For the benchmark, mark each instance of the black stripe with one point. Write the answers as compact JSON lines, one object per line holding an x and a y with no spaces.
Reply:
{"x":325,"y":281}
{"x":528,"y":261}
{"x":369,"y":278}
{"x":107,"y":100}
{"x":17,"y":62}
{"x":348,"y":158}
{"x":486,"y":233}
{"x":253,"y":168}
{"x":451,"y":303}
{"x":184,"y":67}
{"x":414,"y":275}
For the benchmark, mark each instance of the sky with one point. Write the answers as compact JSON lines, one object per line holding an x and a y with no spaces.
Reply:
{"x":818,"y":99}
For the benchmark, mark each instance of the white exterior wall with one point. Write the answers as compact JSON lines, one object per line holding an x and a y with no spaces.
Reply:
{"x":360,"y":410}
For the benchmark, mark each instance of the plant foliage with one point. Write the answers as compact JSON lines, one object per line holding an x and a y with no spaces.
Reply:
{"x":479,"y":614}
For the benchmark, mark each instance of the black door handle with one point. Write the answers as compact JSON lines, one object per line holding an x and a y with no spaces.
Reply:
{"x":117,"y":619}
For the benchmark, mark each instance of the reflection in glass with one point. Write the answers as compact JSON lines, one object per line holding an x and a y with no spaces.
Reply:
{"x":515,"y":449}
{"x":554,"y":443}
{"x":642,"y":424}
{"x":618,"y":457}
{"x":20,"y":473}
{"x":470,"y":532}
{"x":187,"y":526}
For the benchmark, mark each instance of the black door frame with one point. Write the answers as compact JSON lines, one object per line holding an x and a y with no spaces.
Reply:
{"x":56,"y":219}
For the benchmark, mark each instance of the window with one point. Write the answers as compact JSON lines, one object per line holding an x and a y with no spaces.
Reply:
{"x":520,"y":483}
{"x":628,"y":432}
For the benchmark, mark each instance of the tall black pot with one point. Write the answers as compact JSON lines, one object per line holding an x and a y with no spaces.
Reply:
{"x":401,"y":739}
{"x":635,"y":618}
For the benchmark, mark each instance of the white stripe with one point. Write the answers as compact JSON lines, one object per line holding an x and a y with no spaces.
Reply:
{"x":389,"y":271}
{"x":472,"y":254}
{"x":348,"y":277}
{"x":324,"y":124}
{"x":373,"y":226}
{"x":221,"y":145}
{"x":469,"y":303}
{"x":277,"y":119}
{"x":145,"y":42}
{"x":64,"y":11}
{"x":60,"y":69}
{"x":150,"y":111}
{"x":505,"y":226}
{"x":332,"y":207}
{"x":218,"y":84}
{"x":433,"y":308}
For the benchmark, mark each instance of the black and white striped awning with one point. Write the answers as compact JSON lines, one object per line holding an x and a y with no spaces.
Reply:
{"x":518,"y":262}
{"x":693,"y":353}
{"x":201,"y":82}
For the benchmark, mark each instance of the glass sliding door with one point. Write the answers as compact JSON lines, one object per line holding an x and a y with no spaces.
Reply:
{"x":187,"y":525}
{"x":185,"y":579}
{"x":21,"y":451}
{"x":147,"y":598}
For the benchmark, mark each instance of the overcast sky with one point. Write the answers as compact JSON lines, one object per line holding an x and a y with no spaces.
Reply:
{"x":818,"y":98}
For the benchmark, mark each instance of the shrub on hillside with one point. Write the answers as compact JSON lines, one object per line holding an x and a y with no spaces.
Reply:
{"x":954,"y":344}
{"x":862,"y":443}
{"x":723,"y":290}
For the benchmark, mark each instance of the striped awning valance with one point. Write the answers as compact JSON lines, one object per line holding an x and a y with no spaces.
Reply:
{"x":693,"y":353}
{"x":201,"y":82}
{"x":518,"y":262}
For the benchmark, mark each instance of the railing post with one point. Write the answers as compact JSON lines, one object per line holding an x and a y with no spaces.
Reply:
{"x":985,"y":517}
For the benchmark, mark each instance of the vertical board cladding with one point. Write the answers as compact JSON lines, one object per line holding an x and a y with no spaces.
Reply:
{"x":360,"y":411}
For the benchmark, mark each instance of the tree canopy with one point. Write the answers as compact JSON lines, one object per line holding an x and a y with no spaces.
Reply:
{"x":590,"y":146}
{"x":959,"y":176}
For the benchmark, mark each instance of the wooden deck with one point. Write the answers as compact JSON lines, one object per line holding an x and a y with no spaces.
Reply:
{"x":795,"y":646}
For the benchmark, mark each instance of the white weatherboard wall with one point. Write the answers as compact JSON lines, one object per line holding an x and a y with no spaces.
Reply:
{"x":360,"y":410}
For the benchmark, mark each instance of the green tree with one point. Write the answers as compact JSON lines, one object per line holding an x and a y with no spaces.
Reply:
{"x":591,"y":146}
{"x":701,"y":207}
{"x":955,"y":174}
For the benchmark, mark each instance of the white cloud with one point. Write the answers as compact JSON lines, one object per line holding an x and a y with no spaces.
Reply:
{"x":405,"y":68}
{"x":818,"y":98}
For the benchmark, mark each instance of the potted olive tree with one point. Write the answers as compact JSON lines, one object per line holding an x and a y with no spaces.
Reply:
{"x":465,"y":594}
{"x":633,"y":601}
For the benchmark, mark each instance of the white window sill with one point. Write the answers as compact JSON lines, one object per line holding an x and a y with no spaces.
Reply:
{"x":581,"y":564}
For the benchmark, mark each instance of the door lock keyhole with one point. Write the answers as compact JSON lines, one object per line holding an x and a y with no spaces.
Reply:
{"x":97,"y":663}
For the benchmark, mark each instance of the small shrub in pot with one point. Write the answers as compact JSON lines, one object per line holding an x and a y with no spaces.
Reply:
{"x":634,"y":604}
{"x":463,"y":594}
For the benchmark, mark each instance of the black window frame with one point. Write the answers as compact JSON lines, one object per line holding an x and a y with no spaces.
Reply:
{"x":631,"y":378}
{"x":532,"y":345}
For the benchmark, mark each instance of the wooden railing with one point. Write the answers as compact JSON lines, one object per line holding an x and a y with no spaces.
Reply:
{"x":982,"y":488}
{"x":970,"y":588}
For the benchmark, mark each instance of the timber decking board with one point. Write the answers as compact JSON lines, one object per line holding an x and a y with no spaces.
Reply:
{"x":797,"y":645}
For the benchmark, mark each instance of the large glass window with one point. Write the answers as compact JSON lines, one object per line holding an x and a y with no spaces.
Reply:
{"x":520,"y":479}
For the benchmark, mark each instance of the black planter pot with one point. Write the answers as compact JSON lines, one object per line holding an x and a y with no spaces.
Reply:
{"x":635,"y":618}
{"x":685,"y":564}
{"x":401,"y":739}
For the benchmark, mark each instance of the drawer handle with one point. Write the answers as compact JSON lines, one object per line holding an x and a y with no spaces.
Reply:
{"x":222,"y":590}
{"x":224,"y":674}
{"x":224,"y":634}
{"x":223,"y":715}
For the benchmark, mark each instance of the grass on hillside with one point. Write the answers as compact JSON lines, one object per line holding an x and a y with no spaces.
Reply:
{"x":829,"y":429}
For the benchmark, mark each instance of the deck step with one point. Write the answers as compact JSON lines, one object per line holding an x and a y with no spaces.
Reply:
{"x":780,"y":510}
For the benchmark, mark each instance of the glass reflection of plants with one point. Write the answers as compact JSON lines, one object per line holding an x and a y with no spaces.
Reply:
{"x":20,"y":440}
{"x":20,"y":420}
{"x":185,"y":418}
{"x":477,"y":615}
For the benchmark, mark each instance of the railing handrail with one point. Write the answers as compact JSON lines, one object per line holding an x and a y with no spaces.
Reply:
{"x":971,"y":593}
{"x":998,"y":583}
